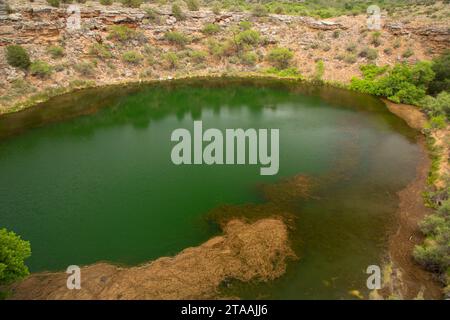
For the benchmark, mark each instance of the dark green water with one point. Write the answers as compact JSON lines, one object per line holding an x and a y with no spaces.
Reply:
{"x":96,"y":182}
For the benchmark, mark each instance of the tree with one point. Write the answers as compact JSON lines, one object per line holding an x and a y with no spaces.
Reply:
{"x":441,"y":67}
{"x":17,"y":56}
{"x":13,"y":252}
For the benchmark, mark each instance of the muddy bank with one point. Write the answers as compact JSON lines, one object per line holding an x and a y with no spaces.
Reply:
{"x":405,"y":278}
{"x":246,"y":252}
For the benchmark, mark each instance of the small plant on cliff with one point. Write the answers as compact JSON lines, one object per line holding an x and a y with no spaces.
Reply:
{"x":41,"y":69}
{"x":319,"y":71}
{"x":216,"y":7}
{"x":132,"y":57}
{"x":375,"y":40}
{"x":132,"y":3}
{"x":259,"y":10}
{"x":177,"y":38}
{"x":211,"y":28}
{"x":122,"y":33}
{"x":249,"y":58}
{"x":193,"y":5}
{"x":369,"y":53}
{"x":56,"y":51}
{"x":13,"y":252}
{"x":280,"y":57}
{"x":408,"y":53}
{"x":198,"y":56}
{"x":247,"y":37}
{"x":177,"y":12}
{"x":100,"y":51}
{"x":171,"y":59}
{"x":53,"y":3}
{"x":17,"y":56}
{"x":85,"y":68}
{"x":106,"y":2}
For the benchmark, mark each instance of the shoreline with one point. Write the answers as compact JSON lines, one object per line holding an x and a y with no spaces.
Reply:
{"x":407,"y":279}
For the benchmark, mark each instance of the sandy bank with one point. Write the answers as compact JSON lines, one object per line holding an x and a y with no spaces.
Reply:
{"x":247,"y":252}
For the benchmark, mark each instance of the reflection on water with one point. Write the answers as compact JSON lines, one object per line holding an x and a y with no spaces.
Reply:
{"x":93,"y":179}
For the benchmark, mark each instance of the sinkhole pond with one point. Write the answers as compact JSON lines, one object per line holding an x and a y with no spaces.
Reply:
{"x":88,"y":177}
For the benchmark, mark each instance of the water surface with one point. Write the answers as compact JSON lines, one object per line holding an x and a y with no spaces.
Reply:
{"x":88,"y":177}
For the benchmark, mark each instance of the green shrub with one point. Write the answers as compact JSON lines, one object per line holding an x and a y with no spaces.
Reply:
{"x":172,"y":59}
{"x":106,"y":2}
{"x":280,"y":57}
{"x":193,"y":5}
{"x":259,"y":10}
{"x":216,"y":7}
{"x":369,"y":53}
{"x":132,"y":3}
{"x":85,"y":68}
{"x":245,"y":25}
{"x":397,"y":43}
{"x":198,"y":56}
{"x":249,"y":58}
{"x":177,"y":12}
{"x":319,"y":72}
{"x":220,"y":49}
{"x":53,"y":3}
{"x":438,"y":122}
{"x":122,"y":33}
{"x":441,"y":67}
{"x":408,"y":53}
{"x":100,"y":51}
{"x":388,"y":51}
{"x":350,"y":58}
{"x":351,"y":47}
{"x":433,"y":257}
{"x":177,"y":38}
{"x":288,"y":72}
{"x":211,"y":28}
{"x":132,"y":57}
{"x":17,"y":56}
{"x":336,"y":34}
{"x":56,"y":51}
{"x":435,"y":106}
{"x":40,"y":69}
{"x":13,"y":253}
{"x":402,"y":83}
{"x":248,"y":37}
{"x":376,"y":41}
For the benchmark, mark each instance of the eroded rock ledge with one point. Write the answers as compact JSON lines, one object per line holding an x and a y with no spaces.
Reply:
{"x":247,"y":252}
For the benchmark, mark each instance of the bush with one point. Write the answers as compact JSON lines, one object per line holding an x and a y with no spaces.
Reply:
{"x":319,"y":72}
{"x":17,"y":56}
{"x":245,"y":25}
{"x":350,"y":58}
{"x":13,"y":253}
{"x":388,"y":51}
{"x":172,"y":59}
{"x":376,"y":41}
{"x":106,"y":2}
{"x":248,"y":37}
{"x":177,"y":38}
{"x":177,"y":12}
{"x":249,"y":58}
{"x":193,"y":5}
{"x":336,"y":34}
{"x":351,"y":47}
{"x":402,"y":83}
{"x":219,"y":49}
{"x":122,"y":33}
{"x":441,"y":67}
{"x":198,"y":56}
{"x":132,"y":57}
{"x":40,"y":69}
{"x":280,"y":57}
{"x":408,"y":53}
{"x":438,"y":122}
{"x":369,"y":53}
{"x":100,"y":51}
{"x":437,"y":106}
{"x":85,"y":68}
{"x":433,"y":257}
{"x":53,"y":3}
{"x":56,"y":51}
{"x":259,"y":10}
{"x":132,"y":3}
{"x":211,"y":28}
{"x":216,"y":8}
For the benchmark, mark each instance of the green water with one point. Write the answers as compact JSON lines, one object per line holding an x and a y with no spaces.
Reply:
{"x":88,"y":177}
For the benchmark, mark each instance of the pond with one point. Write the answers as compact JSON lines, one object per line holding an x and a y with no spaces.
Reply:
{"x":88,"y":177}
